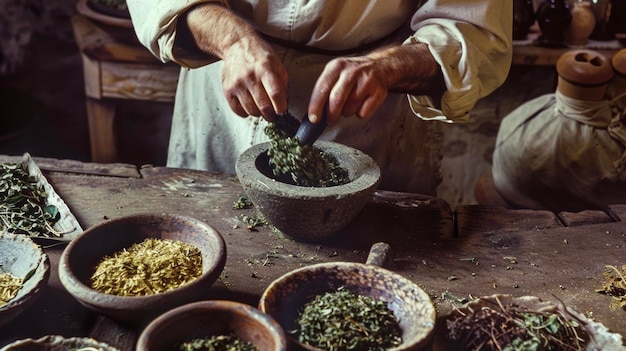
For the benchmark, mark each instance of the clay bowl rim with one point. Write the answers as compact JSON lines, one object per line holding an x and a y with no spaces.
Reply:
{"x":109,"y":302}
{"x":57,"y":343}
{"x":163,"y":322}
{"x":417,"y":342}
{"x":25,"y":296}
{"x":364,"y":180}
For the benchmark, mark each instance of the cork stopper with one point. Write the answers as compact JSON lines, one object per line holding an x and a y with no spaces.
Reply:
{"x":584,"y":75}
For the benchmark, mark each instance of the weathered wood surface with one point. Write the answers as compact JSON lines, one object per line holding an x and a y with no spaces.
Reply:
{"x":479,"y":251}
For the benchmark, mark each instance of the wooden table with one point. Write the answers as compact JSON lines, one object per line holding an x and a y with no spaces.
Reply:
{"x":116,"y":66}
{"x":475,"y":250}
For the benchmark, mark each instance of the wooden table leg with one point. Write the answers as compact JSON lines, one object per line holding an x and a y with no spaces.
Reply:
{"x":101,"y":118}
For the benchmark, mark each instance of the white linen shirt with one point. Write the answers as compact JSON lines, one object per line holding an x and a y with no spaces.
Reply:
{"x":470,"y":39}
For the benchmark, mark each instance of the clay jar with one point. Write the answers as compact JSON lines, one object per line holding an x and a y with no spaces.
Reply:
{"x":583,"y":23}
{"x":619,"y":81}
{"x":523,"y":18}
{"x":553,"y":19}
{"x":584,"y":75}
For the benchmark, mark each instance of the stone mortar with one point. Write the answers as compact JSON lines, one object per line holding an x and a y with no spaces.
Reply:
{"x":308,"y":213}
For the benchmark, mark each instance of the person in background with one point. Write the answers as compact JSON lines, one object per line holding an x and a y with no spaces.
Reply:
{"x":381,"y":71}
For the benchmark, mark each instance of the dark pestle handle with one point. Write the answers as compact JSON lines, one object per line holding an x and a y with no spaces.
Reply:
{"x":308,"y":132}
{"x":380,"y":255}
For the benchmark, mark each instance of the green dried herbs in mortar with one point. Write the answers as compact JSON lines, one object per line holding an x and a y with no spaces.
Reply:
{"x":306,"y":165}
{"x":24,"y":208}
{"x":342,"y":320}
{"x":149,"y":267}
{"x":228,"y":342}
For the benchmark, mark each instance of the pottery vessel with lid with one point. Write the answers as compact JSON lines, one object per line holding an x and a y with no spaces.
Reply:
{"x":584,"y":75}
{"x":582,"y":25}
{"x":619,"y":68}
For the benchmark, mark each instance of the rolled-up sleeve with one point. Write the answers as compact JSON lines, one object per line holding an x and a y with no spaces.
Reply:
{"x":472,"y":42}
{"x":155,"y":21}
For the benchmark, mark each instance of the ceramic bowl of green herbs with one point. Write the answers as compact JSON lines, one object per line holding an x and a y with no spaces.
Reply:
{"x":133,"y":268}
{"x":24,"y":273}
{"x":303,"y":205}
{"x":213,"y":325}
{"x":341,"y":306}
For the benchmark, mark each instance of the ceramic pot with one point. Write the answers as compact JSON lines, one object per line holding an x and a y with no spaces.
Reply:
{"x":553,"y":19}
{"x":619,"y":80}
{"x":523,"y":18}
{"x":602,"y":12}
{"x":583,"y":23}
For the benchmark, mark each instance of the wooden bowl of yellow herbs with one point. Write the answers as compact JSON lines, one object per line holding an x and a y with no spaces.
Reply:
{"x":213,"y":325}
{"x":133,"y":268}
{"x":24,"y":272}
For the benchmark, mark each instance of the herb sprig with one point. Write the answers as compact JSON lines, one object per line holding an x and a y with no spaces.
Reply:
{"x":24,"y":208}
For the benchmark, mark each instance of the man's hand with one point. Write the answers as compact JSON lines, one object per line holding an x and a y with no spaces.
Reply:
{"x":253,"y":77}
{"x":359,"y":85}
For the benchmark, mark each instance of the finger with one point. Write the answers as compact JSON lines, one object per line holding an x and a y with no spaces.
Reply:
{"x":248,"y":103}
{"x":339,"y":95}
{"x":321,"y":93}
{"x":371,"y":104}
{"x":234,"y":104}
{"x":262,"y":101}
{"x":275,"y":86}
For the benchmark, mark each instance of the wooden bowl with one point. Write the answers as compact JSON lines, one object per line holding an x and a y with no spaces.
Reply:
{"x":601,"y":337}
{"x":211,"y":318}
{"x":83,"y":254}
{"x":308,"y":213}
{"x":285,"y":297}
{"x":57,"y":343}
{"x":23,"y":258}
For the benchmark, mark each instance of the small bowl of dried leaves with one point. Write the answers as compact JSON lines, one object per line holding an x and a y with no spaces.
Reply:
{"x":213,"y":325}
{"x":506,"y":322}
{"x":341,"y":306}
{"x":24,"y":272}
{"x":133,"y":268}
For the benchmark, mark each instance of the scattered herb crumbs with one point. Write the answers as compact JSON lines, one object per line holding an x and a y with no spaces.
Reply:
{"x":242,"y":203}
{"x":254,"y":220}
{"x":24,"y":208}
{"x":10,"y":285}
{"x":342,"y":320}
{"x":615,"y":285}
{"x":149,"y":267}
{"x":218,"y":343}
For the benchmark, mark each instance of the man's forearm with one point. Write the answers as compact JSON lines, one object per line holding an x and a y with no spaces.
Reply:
{"x":213,"y":29}
{"x":411,"y":69}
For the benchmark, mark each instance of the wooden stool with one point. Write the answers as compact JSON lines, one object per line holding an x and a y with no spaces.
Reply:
{"x":117,"y":66}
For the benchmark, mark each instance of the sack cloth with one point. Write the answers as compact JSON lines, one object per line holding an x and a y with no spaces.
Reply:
{"x":561,"y":154}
